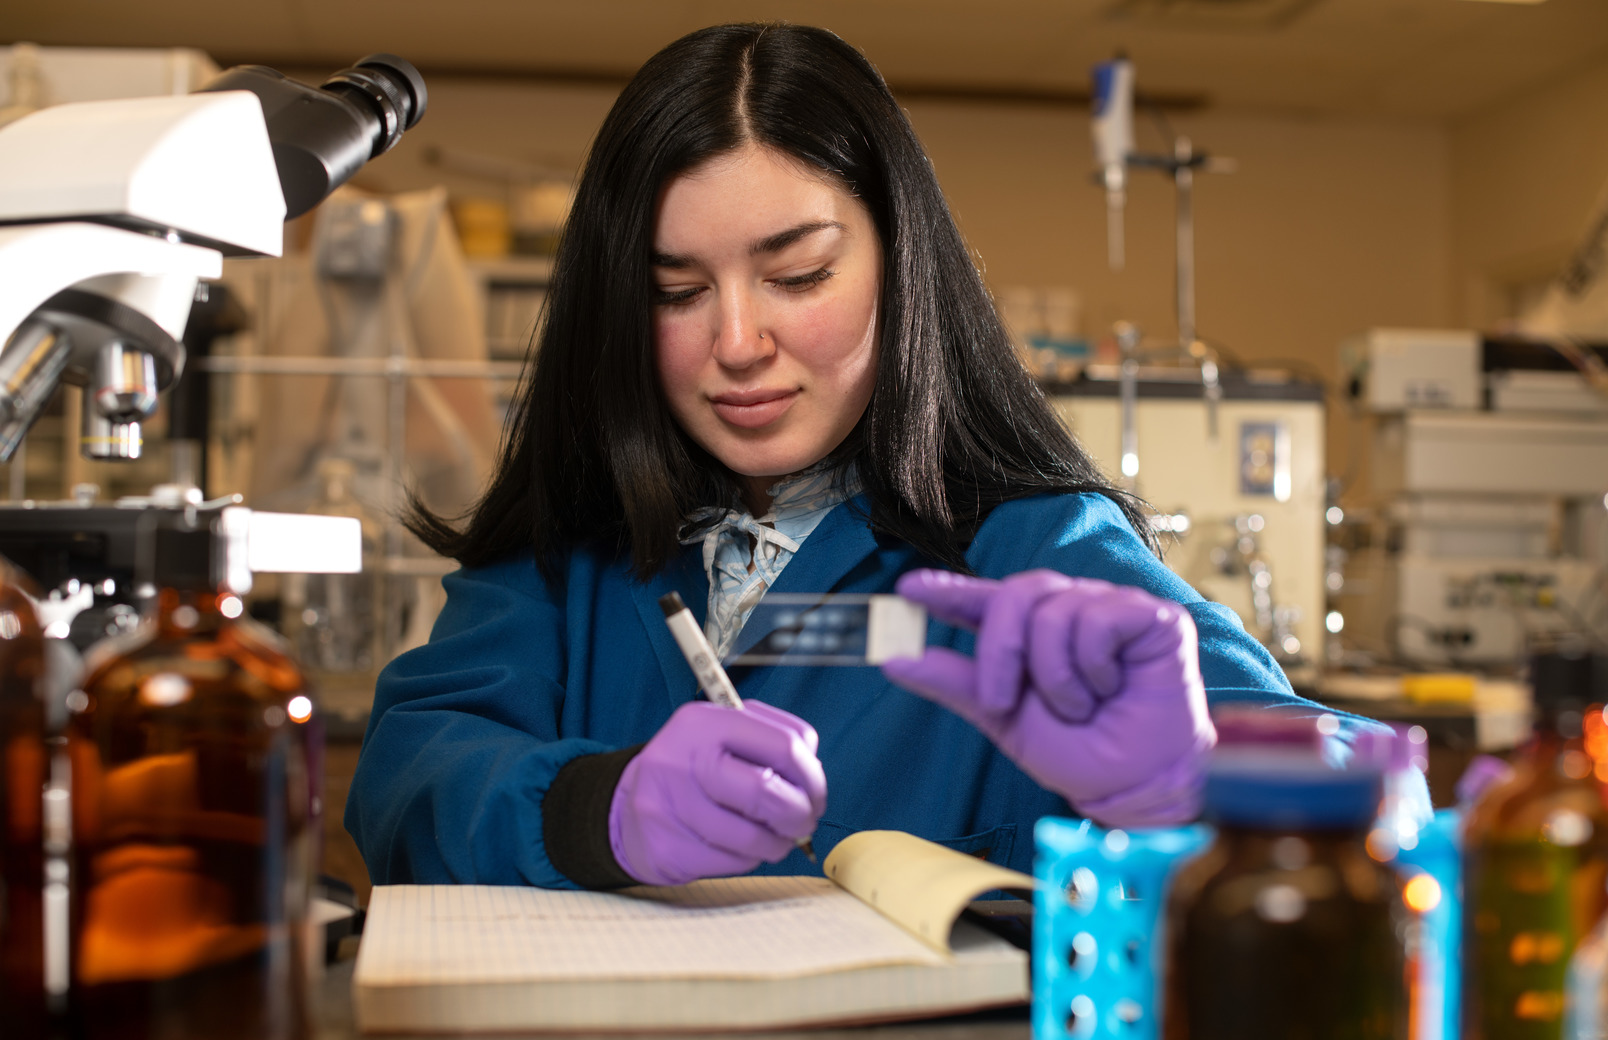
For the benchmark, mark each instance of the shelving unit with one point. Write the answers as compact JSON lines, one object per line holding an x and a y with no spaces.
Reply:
{"x":513,"y":291}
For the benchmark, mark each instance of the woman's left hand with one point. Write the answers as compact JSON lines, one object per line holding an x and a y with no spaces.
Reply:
{"x":1093,"y":689}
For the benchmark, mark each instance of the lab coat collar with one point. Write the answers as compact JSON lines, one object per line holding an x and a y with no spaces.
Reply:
{"x":684,"y":575}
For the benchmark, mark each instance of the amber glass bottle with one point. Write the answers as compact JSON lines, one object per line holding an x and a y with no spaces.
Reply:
{"x":195,"y":760}
{"x":1286,"y":926}
{"x":1536,"y":858}
{"x":24,"y":762}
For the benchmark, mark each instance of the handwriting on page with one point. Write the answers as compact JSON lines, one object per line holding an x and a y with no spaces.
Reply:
{"x":790,"y":926}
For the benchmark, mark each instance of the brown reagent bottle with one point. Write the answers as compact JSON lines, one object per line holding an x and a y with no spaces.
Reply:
{"x":1535,"y":858}
{"x":24,"y":766}
{"x":1286,"y":926}
{"x":196,"y":758}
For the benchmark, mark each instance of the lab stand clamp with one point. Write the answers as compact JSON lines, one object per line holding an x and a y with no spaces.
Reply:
{"x":1113,"y":137}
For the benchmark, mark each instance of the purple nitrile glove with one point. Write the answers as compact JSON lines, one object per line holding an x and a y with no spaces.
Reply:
{"x":1483,"y":773}
{"x":1093,"y":689}
{"x":716,"y":791}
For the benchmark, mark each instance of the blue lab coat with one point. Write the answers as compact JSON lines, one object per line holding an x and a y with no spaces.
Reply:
{"x":521,"y":676}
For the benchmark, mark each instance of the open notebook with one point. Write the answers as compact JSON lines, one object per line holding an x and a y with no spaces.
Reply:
{"x":880,"y":940}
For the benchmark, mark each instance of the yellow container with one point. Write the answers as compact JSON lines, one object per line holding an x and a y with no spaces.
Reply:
{"x":1438,"y":688}
{"x":484,"y":229}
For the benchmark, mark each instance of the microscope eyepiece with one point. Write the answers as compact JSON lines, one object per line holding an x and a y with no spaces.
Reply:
{"x":391,"y":87}
{"x":321,"y":136}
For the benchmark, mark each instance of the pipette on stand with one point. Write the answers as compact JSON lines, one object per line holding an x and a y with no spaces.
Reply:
{"x":1112,"y":128}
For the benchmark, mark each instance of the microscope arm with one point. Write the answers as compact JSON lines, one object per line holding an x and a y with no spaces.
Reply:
{"x":98,"y":306}
{"x":38,"y":260}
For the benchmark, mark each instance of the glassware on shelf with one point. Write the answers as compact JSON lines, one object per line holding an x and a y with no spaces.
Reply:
{"x":334,"y":619}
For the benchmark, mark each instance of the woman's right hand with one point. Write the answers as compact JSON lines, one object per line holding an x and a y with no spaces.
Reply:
{"x":1093,"y":689}
{"x":715,"y":792}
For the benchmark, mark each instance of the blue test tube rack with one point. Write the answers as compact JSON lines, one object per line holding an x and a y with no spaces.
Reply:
{"x":1097,"y":928}
{"x":1096,"y":919}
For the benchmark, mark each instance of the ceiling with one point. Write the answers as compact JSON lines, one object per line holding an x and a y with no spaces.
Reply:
{"x":1410,"y":58}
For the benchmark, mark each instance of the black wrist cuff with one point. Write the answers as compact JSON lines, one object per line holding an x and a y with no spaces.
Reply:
{"x":575,"y":819}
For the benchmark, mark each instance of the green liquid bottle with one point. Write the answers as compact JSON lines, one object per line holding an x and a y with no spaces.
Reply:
{"x":1536,"y":859}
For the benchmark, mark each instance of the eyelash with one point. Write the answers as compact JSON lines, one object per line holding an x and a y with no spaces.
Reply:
{"x":795,"y":284}
{"x":675,"y":299}
{"x":803,"y":282}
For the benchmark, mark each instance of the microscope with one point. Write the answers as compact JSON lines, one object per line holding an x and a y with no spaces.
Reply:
{"x":113,"y":216}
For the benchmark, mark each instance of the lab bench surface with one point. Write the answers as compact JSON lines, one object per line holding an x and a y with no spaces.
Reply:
{"x":334,"y":1021}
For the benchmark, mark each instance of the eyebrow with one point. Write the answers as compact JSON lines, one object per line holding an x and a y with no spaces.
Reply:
{"x":769,"y":244}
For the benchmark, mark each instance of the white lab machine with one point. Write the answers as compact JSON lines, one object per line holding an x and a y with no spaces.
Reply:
{"x":1490,"y":468}
{"x":1415,"y":368}
{"x":1240,"y":508}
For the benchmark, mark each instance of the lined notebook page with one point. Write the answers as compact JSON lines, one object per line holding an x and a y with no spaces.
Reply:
{"x":745,"y":927}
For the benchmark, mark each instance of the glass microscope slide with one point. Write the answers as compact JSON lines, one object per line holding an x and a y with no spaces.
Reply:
{"x":826,"y":629}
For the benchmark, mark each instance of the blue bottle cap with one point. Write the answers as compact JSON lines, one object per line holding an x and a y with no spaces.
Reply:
{"x":1293,"y":799}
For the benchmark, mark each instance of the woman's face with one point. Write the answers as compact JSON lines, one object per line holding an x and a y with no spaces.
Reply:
{"x":765,"y":316}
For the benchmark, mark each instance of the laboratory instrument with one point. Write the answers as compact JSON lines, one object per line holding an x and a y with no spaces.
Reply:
{"x":1229,"y":548}
{"x":1241,"y":515}
{"x":1536,"y":857}
{"x":1112,"y":128}
{"x":1490,"y":463}
{"x":111,"y":212}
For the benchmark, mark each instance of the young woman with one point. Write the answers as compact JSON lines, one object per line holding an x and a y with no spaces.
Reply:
{"x":769,"y":363}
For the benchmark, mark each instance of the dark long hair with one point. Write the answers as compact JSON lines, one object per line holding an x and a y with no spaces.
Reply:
{"x":955,"y":425}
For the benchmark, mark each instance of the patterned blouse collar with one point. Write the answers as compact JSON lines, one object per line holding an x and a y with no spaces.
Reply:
{"x":743,"y":555}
